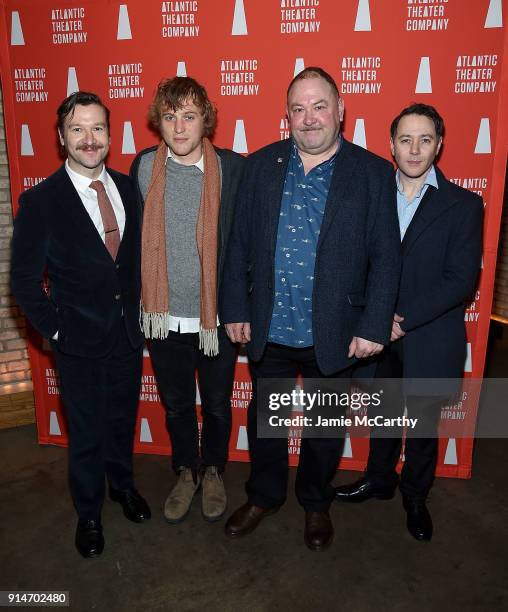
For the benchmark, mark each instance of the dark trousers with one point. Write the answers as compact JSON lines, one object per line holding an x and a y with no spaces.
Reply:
{"x":175,"y":361}
{"x":100,"y":396}
{"x":421,"y":445}
{"x":267,"y":484}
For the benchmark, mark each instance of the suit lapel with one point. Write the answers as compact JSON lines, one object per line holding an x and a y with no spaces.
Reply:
{"x":274,"y":187}
{"x":434,"y":203}
{"x":73,"y":209}
{"x":128,"y":206}
{"x":345,"y":165}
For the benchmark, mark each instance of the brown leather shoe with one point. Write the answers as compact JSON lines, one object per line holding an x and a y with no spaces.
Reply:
{"x":318,"y":530}
{"x":246,"y":519}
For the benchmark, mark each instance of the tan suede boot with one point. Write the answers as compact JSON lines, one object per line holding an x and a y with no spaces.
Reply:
{"x":178,"y":503}
{"x":214,"y":495}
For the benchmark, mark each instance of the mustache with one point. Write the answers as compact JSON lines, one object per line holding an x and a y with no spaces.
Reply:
{"x":92,"y":147}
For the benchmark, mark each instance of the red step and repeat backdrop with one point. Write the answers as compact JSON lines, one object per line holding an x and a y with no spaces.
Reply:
{"x":384,"y":54}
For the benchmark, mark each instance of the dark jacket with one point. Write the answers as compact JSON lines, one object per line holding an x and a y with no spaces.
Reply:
{"x":88,"y":290}
{"x":232,"y":168}
{"x":441,"y":257}
{"x":358,"y":255}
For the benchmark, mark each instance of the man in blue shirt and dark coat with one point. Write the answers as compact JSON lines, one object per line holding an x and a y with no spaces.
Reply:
{"x":441,"y":238}
{"x":310,"y":281}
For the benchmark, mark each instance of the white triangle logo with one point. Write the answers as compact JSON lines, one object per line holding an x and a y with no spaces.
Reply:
{"x":145,"y":435}
{"x":128,"y":146}
{"x":16,"y":30}
{"x":198,"y":395}
{"x":240,"y":141}
{"x":239,"y":22}
{"x":451,"y":453}
{"x":468,"y":366}
{"x":359,"y":137}
{"x":347,"y":452}
{"x":124,"y":26}
{"x":242,"y":442}
{"x":181,"y":69}
{"x":72,"y":81}
{"x":54,"y":425}
{"x":494,"y":17}
{"x":299,"y":65}
{"x":424,"y":81}
{"x":26,"y":142}
{"x":483,"y":140}
{"x":362,"y":23}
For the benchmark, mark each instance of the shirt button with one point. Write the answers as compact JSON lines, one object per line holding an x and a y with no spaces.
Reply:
{"x":117,"y":296}
{"x":288,"y":255}
{"x":117,"y":266}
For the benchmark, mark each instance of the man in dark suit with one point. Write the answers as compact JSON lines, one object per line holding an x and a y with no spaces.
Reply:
{"x":310,"y":282}
{"x":187,"y":189}
{"x":441,"y":233}
{"x":82,"y":226}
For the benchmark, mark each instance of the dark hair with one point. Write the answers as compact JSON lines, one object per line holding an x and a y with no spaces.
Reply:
{"x":313,"y":72}
{"x":83,"y":98}
{"x":420,"y":109}
{"x":173,"y":93}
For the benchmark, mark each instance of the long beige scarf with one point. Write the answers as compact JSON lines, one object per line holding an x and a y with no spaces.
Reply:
{"x":155,"y":291}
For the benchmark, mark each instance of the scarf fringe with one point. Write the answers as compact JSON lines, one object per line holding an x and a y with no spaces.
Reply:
{"x":209,"y":341}
{"x":156,"y":325}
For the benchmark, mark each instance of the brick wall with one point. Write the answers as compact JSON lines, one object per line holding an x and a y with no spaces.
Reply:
{"x":14,"y":365}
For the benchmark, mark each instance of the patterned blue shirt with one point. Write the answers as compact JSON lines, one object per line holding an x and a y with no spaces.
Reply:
{"x":405,"y":209}
{"x":301,"y":214}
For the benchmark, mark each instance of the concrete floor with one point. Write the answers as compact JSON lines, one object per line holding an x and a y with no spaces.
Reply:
{"x":374,"y":564}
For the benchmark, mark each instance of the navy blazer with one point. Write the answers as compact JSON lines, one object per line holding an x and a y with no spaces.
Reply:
{"x":89,"y":292}
{"x":441,"y":258}
{"x":358,"y":254}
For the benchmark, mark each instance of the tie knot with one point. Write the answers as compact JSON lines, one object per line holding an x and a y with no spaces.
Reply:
{"x":97,"y":186}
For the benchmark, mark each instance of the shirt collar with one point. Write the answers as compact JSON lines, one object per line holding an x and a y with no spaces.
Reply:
{"x":430,"y":179}
{"x":200,"y":164}
{"x":81,"y":182}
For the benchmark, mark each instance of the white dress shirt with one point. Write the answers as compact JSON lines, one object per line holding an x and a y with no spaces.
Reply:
{"x":89,"y":198}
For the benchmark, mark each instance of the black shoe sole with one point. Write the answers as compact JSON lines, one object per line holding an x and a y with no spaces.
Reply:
{"x":359,"y":500}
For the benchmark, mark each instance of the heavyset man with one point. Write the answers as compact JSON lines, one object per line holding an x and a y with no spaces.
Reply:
{"x":441,"y":233}
{"x":310,"y":283}
{"x":82,"y":225}
{"x":188,"y":189}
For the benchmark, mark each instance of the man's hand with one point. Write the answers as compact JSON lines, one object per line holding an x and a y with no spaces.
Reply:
{"x":238,"y":332}
{"x":397,"y":332}
{"x":362,"y":348}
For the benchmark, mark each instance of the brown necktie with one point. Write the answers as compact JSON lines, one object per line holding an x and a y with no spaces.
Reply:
{"x":111,"y":231}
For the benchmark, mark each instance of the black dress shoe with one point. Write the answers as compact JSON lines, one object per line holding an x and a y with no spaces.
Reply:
{"x":318,"y":531}
{"x":89,"y":539}
{"x":362,"y":490}
{"x":134,"y":506}
{"x":419,"y":521}
{"x":246,"y":519}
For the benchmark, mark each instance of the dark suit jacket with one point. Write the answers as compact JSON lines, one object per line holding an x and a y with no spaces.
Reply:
{"x":358,"y":254}
{"x":88,"y":290}
{"x":441,"y":256}
{"x":232,"y":165}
